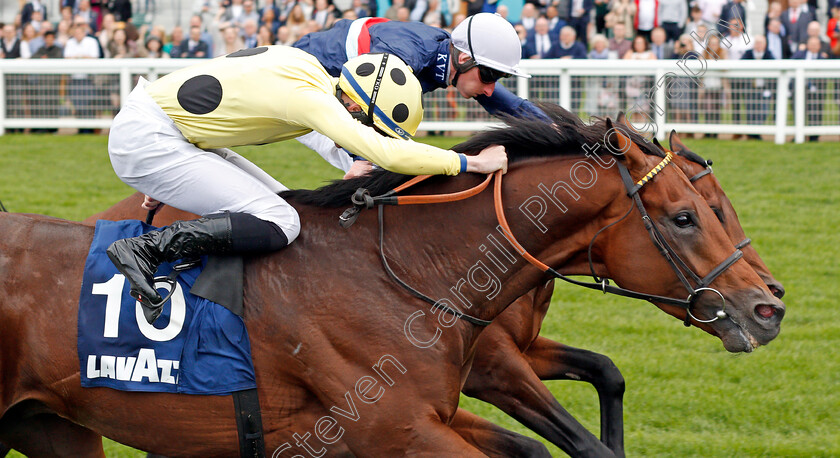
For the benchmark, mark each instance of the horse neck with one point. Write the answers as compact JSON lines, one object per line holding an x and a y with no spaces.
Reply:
{"x":459,"y":251}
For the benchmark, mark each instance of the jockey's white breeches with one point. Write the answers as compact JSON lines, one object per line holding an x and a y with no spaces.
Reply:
{"x":150,"y":154}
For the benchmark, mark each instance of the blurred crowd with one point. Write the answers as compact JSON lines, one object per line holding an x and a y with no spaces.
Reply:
{"x":548,"y":29}
{"x":579,"y":29}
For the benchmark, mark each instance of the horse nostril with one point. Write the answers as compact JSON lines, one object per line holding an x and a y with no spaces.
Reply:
{"x":777,"y":289}
{"x":767,"y":311}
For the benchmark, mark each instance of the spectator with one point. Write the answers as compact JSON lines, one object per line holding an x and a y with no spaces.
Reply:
{"x":833,"y":30}
{"x":579,"y":11}
{"x":640,"y":50}
{"x":249,"y":12}
{"x":673,"y":14}
{"x":528,"y":17}
{"x":51,"y":49}
{"x":623,"y":12}
{"x":696,"y":20}
{"x":206,"y":36}
{"x":738,"y":43}
{"x":814,"y":29}
{"x":232,"y":13}
{"x":106,"y":33}
{"x":523,"y":39}
{"x":391,"y":12}
{"x":539,"y":44}
{"x":761,"y":93}
{"x":284,"y":37}
{"x":62,"y":33}
{"x":711,"y":10}
{"x":682,"y":46}
{"x":194,"y":47}
{"x":569,"y":47}
{"x":795,"y":20}
{"x":121,"y":9}
{"x":30,"y":41}
{"x":602,"y":8}
{"x":502,"y":10}
{"x":403,"y":14}
{"x":814,"y":87}
{"x":733,"y":10}
{"x":231,"y":41}
{"x":363,"y":11}
{"x":713,"y":91}
{"x":600,"y":48}
{"x":776,"y":42}
{"x":268,"y":17}
{"x":646,"y":17}
{"x":774,"y":11}
{"x":153,"y":48}
{"x":619,"y":42}
{"x":37,"y":22}
{"x":249,"y":34}
{"x":324,"y":13}
{"x":296,"y":22}
{"x":10,"y":45}
{"x":555,"y":23}
{"x":658,"y":46}
{"x":87,"y":15}
{"x":81,"y":91}
{"x":264,"y":36}
{"x":30,"y":7}
{"x":474,"y":6}
{"x":120,"y":47}
{"x":173,"y":48}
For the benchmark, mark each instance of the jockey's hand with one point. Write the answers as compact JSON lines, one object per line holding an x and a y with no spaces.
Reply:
{"x":488,"y":160}
{"x":358,"y":169}
{"x":150,"y":204}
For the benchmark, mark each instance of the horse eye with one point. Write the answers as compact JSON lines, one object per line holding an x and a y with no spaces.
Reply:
{"x":683,"y":220}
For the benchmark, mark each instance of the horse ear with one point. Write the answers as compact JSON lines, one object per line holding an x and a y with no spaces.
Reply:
{"x":621,"y":146}
{"x":658,"y":145}
{"x":620,"y":119}
{"x":677,"y":145}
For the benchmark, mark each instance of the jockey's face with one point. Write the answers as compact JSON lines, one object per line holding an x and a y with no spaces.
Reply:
{"x":470,"y":84}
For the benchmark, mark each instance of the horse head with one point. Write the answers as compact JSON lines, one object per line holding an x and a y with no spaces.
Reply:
{"x":700,"y":174}
{"x":691,"y":240}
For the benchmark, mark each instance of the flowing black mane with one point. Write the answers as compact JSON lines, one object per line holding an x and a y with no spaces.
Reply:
{"x":522,"y":138}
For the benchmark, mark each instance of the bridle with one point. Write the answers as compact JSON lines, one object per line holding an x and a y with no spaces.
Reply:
{"x":707,"y":170}
{"x":694,"y":284}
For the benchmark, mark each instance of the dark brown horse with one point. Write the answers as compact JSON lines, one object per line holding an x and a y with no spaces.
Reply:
{"x":307,"y":363}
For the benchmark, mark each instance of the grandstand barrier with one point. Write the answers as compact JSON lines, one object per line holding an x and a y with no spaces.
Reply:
{"x":783,"y":99}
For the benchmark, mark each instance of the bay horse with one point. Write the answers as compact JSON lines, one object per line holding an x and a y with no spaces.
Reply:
{"x":512,"y":349}
{"x":301,"y":329}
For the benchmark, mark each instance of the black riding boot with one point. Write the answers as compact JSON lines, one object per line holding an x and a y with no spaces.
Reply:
{"x":139,"y":257}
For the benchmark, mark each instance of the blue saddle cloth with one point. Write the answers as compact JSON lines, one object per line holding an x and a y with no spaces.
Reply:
{"x":195,"y":347}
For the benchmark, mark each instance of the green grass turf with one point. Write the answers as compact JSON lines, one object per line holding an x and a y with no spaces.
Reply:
{"x":685,"y":395}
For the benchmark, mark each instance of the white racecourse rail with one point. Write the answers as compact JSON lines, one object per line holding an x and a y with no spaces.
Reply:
{"x":711,"y":97}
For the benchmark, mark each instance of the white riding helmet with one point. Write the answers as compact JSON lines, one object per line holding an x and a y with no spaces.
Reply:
{"x":491,"y":41}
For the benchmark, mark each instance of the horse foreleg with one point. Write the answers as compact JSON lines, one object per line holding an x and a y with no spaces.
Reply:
{"x":49,"y":435}
{"x":505,"y":379}
{"x":552,"y":360}
{"x":493,"y":440}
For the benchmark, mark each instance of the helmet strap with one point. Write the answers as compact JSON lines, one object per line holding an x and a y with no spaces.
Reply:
{"x":375,"y":91}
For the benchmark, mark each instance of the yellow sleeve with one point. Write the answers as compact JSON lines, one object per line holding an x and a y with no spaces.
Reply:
{"x":324,"y":113}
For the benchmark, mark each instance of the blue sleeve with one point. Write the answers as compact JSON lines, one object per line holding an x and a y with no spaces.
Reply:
{"x":504,"y":101}
{"x":424,"y":48}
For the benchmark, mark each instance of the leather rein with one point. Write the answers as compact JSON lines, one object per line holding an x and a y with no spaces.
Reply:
{"x":363,"y":200}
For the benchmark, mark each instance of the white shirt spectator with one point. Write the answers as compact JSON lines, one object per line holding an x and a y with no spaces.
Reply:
{"x":711,"y":9}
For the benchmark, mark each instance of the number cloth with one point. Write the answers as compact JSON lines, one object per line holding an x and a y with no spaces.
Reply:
{"x":195,"y":347}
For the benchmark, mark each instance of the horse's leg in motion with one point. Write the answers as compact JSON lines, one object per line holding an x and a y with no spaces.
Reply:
{"x":505,"y":379}
{"x":47,"y":434}
{"x":493,"y":440}
{"x":552,"y":360}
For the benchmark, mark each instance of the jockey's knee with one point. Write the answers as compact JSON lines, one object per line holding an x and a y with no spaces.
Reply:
{"x":263,"y":233}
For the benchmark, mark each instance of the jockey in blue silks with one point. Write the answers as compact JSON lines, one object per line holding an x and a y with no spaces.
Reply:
{"x":481,"y":50}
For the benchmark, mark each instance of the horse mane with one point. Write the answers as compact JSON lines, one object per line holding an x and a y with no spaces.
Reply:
{"x":522,"y":137}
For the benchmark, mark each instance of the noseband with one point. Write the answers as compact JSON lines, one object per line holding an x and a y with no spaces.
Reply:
{"x":362,"y":199}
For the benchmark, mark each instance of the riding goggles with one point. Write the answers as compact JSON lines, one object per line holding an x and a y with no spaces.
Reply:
{"x":490,"y":75}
